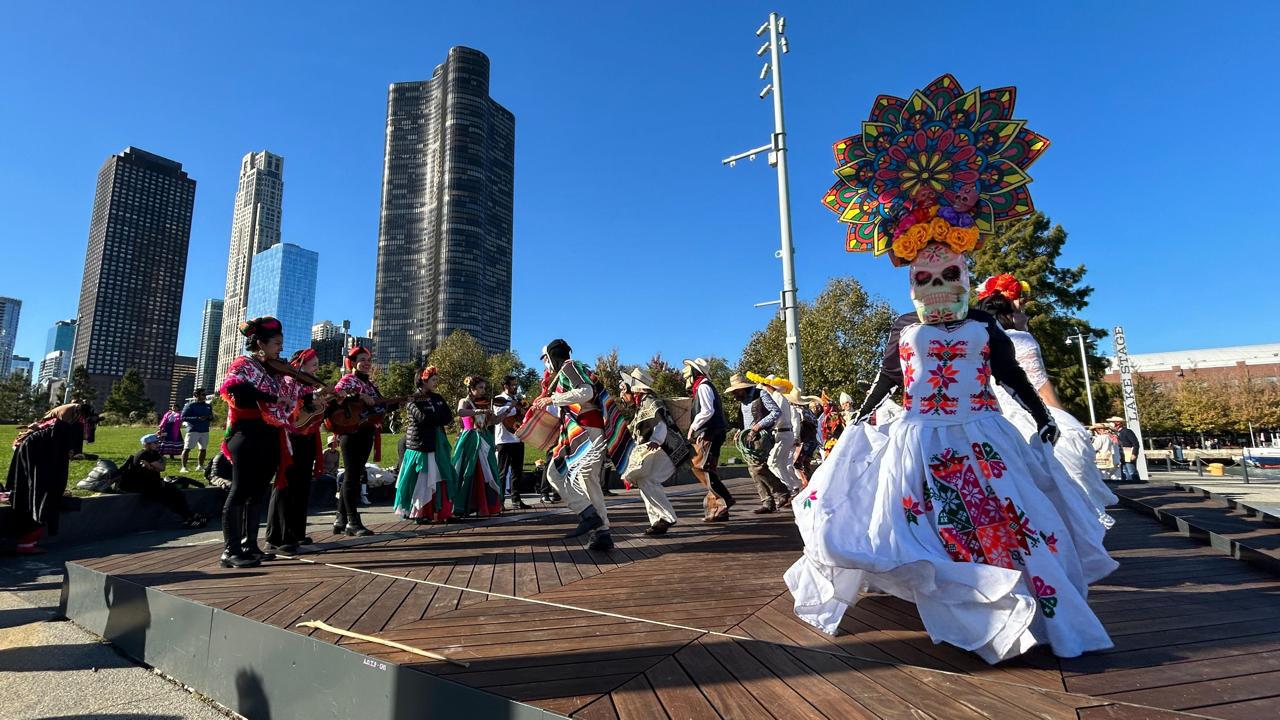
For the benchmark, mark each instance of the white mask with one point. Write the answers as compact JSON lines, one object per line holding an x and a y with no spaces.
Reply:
{"x":939,"y":284}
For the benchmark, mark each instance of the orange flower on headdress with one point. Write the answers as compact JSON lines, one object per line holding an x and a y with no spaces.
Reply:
{"x":1004,"y":284}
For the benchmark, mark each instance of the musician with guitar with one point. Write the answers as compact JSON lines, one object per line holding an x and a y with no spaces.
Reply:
{"x":474,"y":463}
{"x":509,"y":409}
{"x":358,"y":424}
{"x":309,"y":398}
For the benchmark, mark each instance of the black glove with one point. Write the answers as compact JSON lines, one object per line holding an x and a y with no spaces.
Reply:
{"x":1048,"y":432}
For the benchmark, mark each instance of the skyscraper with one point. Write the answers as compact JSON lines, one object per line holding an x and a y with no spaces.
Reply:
{"x":207,"y":359}
{"x":10,"y":309}
{"x":444,"y":241}
{"x":21,"y":365}
{"x":61,"y":336}
{"x":283,"y":285}
{"x":183,"y":383}
{"x":55,"y":365}
{"x":255,"y":226}
{"x":134,"y":271}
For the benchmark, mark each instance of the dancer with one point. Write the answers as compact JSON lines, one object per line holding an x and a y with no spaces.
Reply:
{"x":474,"y":464}
{"x":649,"y":465}
{"x":578,"y":460}
{"x":805,"y":428}
{"x":832,"y":423}
{"x":170,"y":432}
{"x":256,"y":442}
{"x":1072,"y":458}
{"x":508,"y":408}
{"x":37,"y":479}
{"x":942,"y":509}
{"x":708,"y":429}
{"x":755,"y":440}
{"x":357,"y":444}
{"x":782,"y":455}
{"x":287,"y":509}
{"x":426,"y":473}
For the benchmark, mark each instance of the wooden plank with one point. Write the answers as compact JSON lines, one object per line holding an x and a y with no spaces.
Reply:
{"x":857,"y":686}
{"x":600,"y":709}
{"x":636,"y":700}
{"x":415,"y":604}
{"x":1247,"y":710}
{"x":759,"y":680}
{"x":481,"y":579}
{"x":1146,"y":678}
{"x":548,"y":673}
{"x":726,"y":694}
{"x":820,"y":692}
{"x":1128,"y":712}
{"x":678,"y":694}
{"x":1203,"y":695}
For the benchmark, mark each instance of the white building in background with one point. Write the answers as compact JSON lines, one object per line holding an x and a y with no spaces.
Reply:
{"x":210,"y":333}
{"x":325,"y":330}
{"x":55,"y":365}
{"x":255,"y":226}
{"x":10,"y":309}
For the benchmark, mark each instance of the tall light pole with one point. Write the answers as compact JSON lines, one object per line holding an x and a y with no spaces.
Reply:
{"x":776,"y":46}
{"x":1084,"y":365}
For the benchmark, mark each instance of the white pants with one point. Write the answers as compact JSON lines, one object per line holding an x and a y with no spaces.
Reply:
{"x":647,"y":470}
{"x":580,"y":484}
{"x":780,"y":460}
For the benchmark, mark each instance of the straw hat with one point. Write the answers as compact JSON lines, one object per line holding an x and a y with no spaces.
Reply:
{"x":1114,"y":419}
{"x":639,"y":379}
{"x":797,"y":399}
{"x":699,"y":365}
{"x":738,"y":382}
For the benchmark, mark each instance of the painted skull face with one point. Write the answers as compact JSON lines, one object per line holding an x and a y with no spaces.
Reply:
{"x":939,"y":285}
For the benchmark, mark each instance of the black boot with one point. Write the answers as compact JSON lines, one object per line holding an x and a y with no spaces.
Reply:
{"x":351,"y":510}
{"x":590,"y":521}
{"x":518,"y":503}
{"x":658,"y":528}
{"x":766,"y":508}
{"x":252,"y":520}
{"x":601,"y":540}
{"x":232,"y":536}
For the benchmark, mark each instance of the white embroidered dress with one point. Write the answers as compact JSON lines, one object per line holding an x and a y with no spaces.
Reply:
{"x":943,"y":510}
{"x":1073,"y":458}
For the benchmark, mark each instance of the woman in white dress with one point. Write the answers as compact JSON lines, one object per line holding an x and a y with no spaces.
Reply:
{"x":944,"y":508}
{"x":1002,"y":296}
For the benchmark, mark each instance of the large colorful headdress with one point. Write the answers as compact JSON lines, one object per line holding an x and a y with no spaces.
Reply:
{"x":944,"y":165}
{"x":1005,"y":285}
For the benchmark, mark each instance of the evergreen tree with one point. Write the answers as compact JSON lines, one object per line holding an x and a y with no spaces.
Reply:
{"x":128,"y":397}
{"x":19,"y":400}
{"x":82,"y":390}
{"x":1029,"y":250}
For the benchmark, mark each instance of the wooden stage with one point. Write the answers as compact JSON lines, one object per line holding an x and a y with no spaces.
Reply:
{"x":697,"y":624}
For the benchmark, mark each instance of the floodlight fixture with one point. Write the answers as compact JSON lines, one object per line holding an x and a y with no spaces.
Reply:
{"x":785,"y":48}
{"x":782,"y":24}
{"x":765,"y":92}
{"x":763,"y":49}
{"x":764,"y":71}
{"x":763,"y":27}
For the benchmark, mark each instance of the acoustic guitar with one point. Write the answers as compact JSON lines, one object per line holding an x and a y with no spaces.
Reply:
{"x":352,"y":414}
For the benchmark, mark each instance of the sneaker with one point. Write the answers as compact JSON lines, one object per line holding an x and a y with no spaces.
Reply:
{"x":364,"y":499}
{"x":184,"y":469}
{"x":590,"y":521}
{"x":358,"y":531}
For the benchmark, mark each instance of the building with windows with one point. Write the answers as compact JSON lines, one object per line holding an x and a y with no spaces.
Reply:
{"x":22,"y":366}
{"x":184,"y":379}
{"x":283,"y":285}
{"x":134,"y":271}
{"x":10,"y":309}
{"x":207,"y":357}
{"x":255,"y":226}
{"x":1256,"y":362}
{"x":55,"y":365}
{"x":326,"y":330}
{"x":61,"y":336}
{"x":445,"y":230}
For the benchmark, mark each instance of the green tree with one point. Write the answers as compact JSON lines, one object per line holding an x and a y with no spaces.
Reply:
{"x":1029,"y":250}
{"x":398,"y":378}
{"x":82,"y":390}
{"x":668,"y":380}
{"x":19,"y":401}
{"x":457,"y":356}
{"x":842,"y":336}
{"x":609,"y":371}
{"x":330,"y":373}
{"x":128,"y":398}
{"x":508,"y":363}
{"x":1156,"y":406}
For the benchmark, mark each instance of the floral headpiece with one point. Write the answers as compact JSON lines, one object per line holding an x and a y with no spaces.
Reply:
{"x":428,"y":372}
{"x":1004,"y":284}
{"x":782,"y":384}
{"x":301,"y":357}
{"x":944,"y":165}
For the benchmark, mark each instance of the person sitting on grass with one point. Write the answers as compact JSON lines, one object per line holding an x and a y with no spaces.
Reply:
{"x":141,"y":474}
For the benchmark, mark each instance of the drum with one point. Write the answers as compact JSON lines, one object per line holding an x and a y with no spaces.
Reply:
{"x":540,"y":429}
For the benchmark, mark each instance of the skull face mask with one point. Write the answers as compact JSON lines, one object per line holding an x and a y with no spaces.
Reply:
{"x":939,"y":285}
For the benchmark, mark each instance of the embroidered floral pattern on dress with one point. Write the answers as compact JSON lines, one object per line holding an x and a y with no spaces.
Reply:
{"x":972,"y":523}
{"x":808,"y":502}
{"x":989,"y":460}
{"x":941,"y":377}
{"x":1046,"y":595}
{"x":911,"y":507}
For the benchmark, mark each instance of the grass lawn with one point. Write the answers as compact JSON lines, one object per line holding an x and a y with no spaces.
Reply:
{"x":116,"y":443}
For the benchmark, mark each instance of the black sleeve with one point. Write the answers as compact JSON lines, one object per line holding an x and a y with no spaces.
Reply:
{"x":442,"y":415}
{"x":245,"y":395}
{"x":418,"y":411}
{"x":890,"y":375}
{"x":1006,"y":370}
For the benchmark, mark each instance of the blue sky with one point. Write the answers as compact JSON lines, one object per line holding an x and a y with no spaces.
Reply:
{"x":1162,"y":168}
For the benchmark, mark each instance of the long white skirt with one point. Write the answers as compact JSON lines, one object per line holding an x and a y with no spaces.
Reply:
{"x":949,"y":517}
